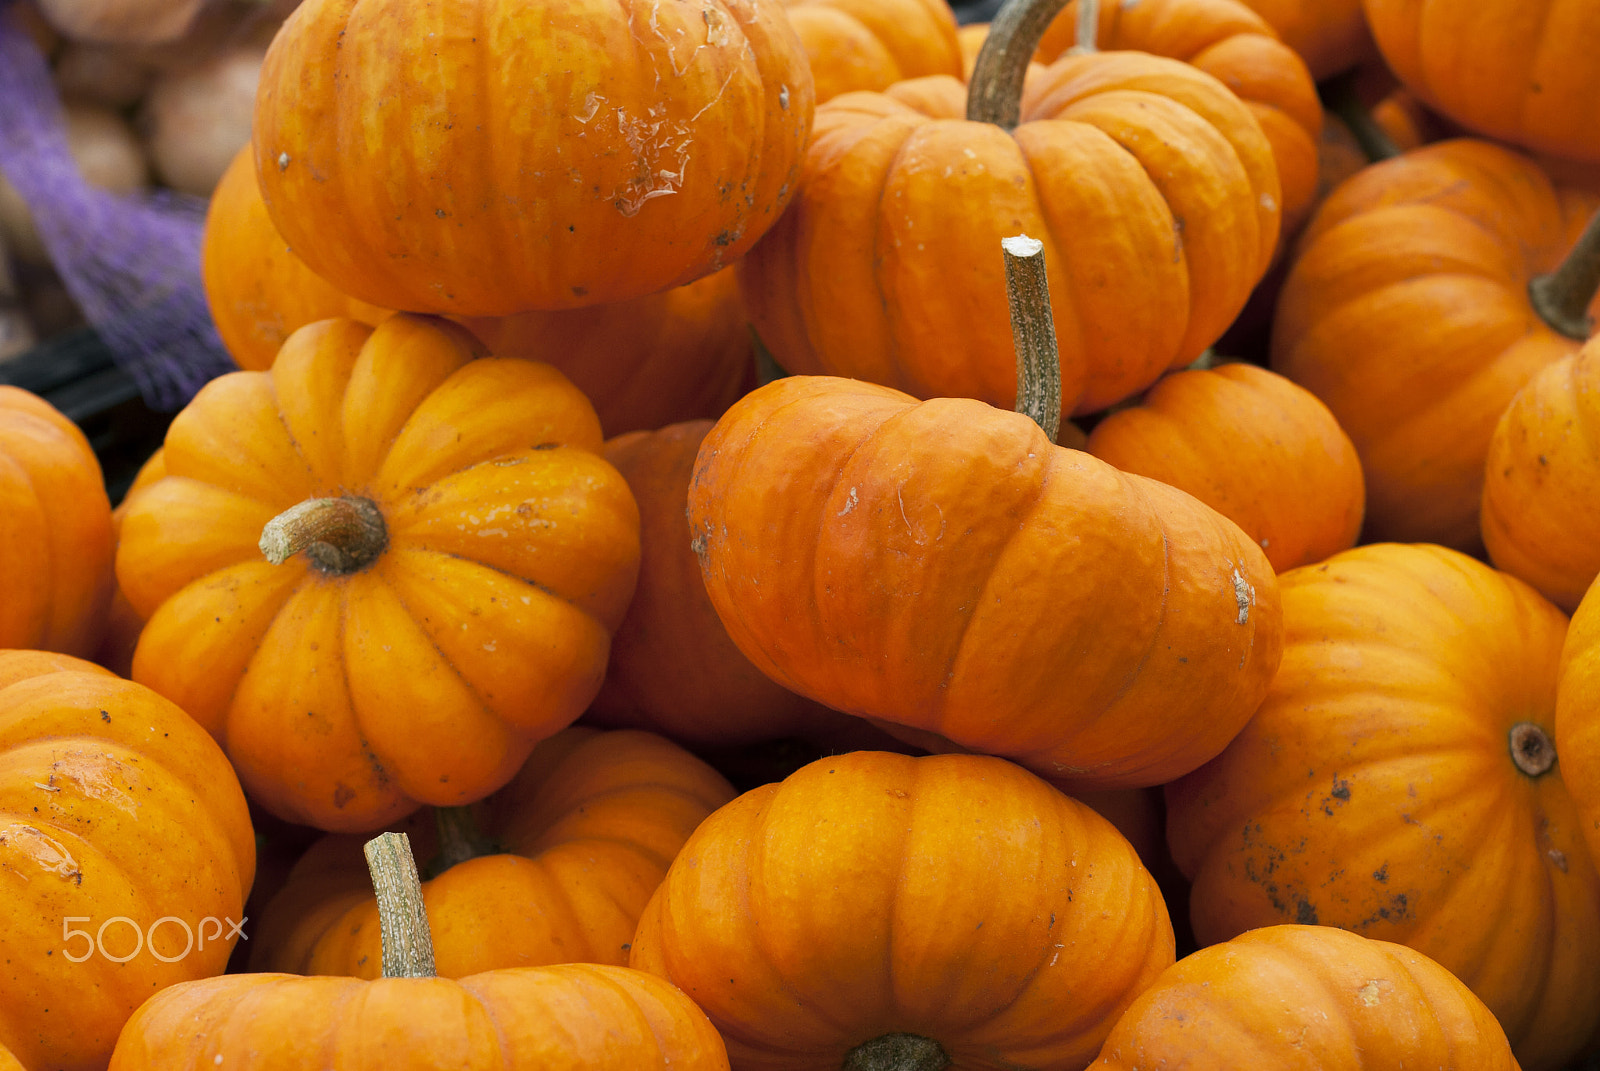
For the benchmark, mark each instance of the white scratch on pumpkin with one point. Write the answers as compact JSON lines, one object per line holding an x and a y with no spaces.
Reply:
{"x":850,"y":504}
{"x":1244,"y":594}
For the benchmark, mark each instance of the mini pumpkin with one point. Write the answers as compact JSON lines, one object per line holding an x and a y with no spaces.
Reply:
{"x":1578,"y":715}
{"x":1401,"y":780}
{"x":1330,"y":35}
{"x":1295,"y":997}
{"x":989,"y":919}
{"x":871,"y":44}
{"x":453,"y":555}
{"x":122,"y":828}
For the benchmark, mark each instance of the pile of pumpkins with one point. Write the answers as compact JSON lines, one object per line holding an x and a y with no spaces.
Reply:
{"x":629,"y":388}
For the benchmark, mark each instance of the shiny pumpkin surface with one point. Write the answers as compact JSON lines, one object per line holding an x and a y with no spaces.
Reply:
{"x":1519,"y":70}
{"x":114,"y":804}
{"x":346,"y":700}
{"x":575,"y":1017}
{"x":483,"y":159}
{"x":55,"y":530}
{"x":1407,"y":312}
{"x":1306,"y":998}
{"x":984,"y":910}
{"x":1578,"y":716}
{"x":1253,"y":446}
{"x":1151,"y":185}
{"x":942,"y":567}
{"x":1376,"y":789}
{"x":585,"y":832}
{"x":871,"y":44}
{"x":1541,"y":492}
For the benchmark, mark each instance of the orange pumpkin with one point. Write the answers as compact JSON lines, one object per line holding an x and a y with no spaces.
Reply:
{"x":1578,"y":716}
{"x":1330,"y":35}
{"x":991,"y":919}
{"x":942,"y":567}
{"x":1226,"y":39}
{"x":675,"y":355}
{"x":1306,"y":997}
{"x":8,"y":1062}
{"x":1408,"y":311}
{"x":55,"y":530}
{"x":882,"y":271}
{"x":455,"y":559}
{"x":123,"y":623}
{"x":871,"y":44}
{"x":1519,"y":70}
{"x":1400,"y":780}
{"x":1259,"y":450}
{"x":1541,"y":492}
{"x":562,"y":1018}
{"x":124,"y":843}
{"x":554,"y":868}
{"x":484,"y":160}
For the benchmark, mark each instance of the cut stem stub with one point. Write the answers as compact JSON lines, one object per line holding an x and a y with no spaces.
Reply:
{"x":1531,"y":748}
{"x":1033,"y":332}
{"x":897,"y":1052}
{"x":340,"y":535}
{"x":402,"y":918}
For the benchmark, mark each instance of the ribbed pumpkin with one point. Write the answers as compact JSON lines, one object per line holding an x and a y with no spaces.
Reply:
{"x":676,"y":355}
{"x":573,"y":1017}
{"x":871,"y":44}
{"x":989,"y":919}
{"x":483,"y":159}
{"x":1330,"y":35}
{"x":942,"y":567}
{"x":8,"y":1062}
{"x":1226,"y":39}
{"x":55,"y":530}
{"x":123,"y":623}
{"x":1312,"y":997}
{"x":1400,"y":780}
{"x":1578,"y":715}
{"x":554,"y":868}
{"x":1541,"y":492}
{"x":455,"y":555}
{"x":1410,"y":312}
{"x":1259,"y":450}
{"x":1151,"y":185}
{"x":1519,"y":70}
{"x":118,"y":813}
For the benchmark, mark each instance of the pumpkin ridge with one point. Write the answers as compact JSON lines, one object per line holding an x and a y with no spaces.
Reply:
{"x":48,"y":549}
{"x":879,"y":253}
{"x":349,"y":690}
{"x":283,"y":596}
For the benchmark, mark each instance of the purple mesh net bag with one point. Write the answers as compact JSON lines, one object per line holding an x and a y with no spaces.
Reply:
{"x":132,"y":264}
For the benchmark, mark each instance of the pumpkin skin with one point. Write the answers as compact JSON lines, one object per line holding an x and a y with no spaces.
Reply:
{"x":55,"y":530}
{"x":512,"y":549}
{"x":912,"y":562}
{"x":687,"y":140}
{"x":1306,"y":998}
{"x":1226,"y":39}
{"x":1261,"y":451}
{"x":1330,"y":35}
{"x":1541,"y":492}
{"x":1375,"y":789}
{"x":881,"y":272}
{"x":588,"y":828}
{"x":8,"y":1062}
{"x":1519,"y":71}
{"x":872,"y":44}
{"x":123,"y":623}
{"x":966,"y":880}
{"x":1577,"y":727}
{"x":573,"y":1017}
{"x":1407,"y":313}
{"x":113,"y":804}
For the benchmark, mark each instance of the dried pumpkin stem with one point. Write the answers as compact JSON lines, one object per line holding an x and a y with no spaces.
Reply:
{"x":339,"y":535}
{"x":994,"y":95}
{"x":459,"y":839}
{"x":1343,"y":101}
{"x":1087,"y":37}
{"x":1562,"y":298}
{"x":1033,"y":331}
{"x":402,"y":920}
{"x":897,"y":1052}
{"x":1531,"y":748}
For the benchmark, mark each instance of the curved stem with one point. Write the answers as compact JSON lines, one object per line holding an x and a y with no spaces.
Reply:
{"x":339,"y":535}
{"x":402,"y":920}
{"x":1342,"y":100}
{"x":1033,"y":331}
{"x":1562,"y":298}
{"x":897,"y":1052}
{"x":994,"y":94}
{"x":1531,"y":748}
{"x":459,"y":839}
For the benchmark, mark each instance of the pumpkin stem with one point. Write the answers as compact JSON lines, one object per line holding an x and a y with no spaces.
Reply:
{"x":994,"y":95}
{"x":339,"y":535}
{"x":1033,"y":331}
{"x":767,"y":367}
{"x":402,"y":919}
{"x":459,"y":839}
{"x":1087,"y":36}
{"x":897,"y":1052}
{"x":1531,"y":748}
{"x":1562,"y":298}
{"x":1342,"y":100}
